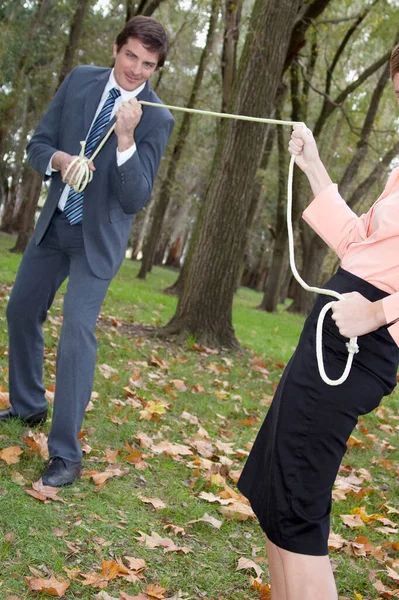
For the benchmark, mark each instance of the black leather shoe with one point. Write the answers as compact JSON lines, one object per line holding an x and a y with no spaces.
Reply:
{"x":60,"y":472}
{"x":31,"y":420}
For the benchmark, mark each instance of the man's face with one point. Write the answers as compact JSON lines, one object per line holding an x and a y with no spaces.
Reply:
{"x":134,"y":64}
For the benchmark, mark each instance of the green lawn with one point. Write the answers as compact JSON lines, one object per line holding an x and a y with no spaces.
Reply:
{"x":210,"y":403}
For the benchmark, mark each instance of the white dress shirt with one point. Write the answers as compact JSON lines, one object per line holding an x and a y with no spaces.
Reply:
{"x":121,"y":157}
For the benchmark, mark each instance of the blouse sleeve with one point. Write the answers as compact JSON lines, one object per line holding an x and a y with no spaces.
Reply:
{"x":332,"y":219}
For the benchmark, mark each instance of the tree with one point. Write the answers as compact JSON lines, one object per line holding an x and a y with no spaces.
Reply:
{"x":75,"y":33}
{"x":143,"y":7}
{"x":162,"y":202}
{"x":205,"y":304}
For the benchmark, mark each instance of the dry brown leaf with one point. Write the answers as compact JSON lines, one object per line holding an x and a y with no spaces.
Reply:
{"x":4,"y":400}
{"x":156,"y":541}
{"x":208,"y":519}
{"x":104,"y":596}
{"x":11,"y":454}
{"x":171,"y":449}
{"x":392,"y":574}
{"x":110,"y":455}
{"x":352,"y":520}
{"x":179,"y":385}
{"x":100,"y":477}
{"x":190,"y":418}
{"x":106,"y":371}
{"x":144,"y":440}
{"x":37,"y":442}
{"x":237,"y":511}
{"x":336,"y":541}
{"x":135,"y":564}
{"x":155,"y":591}
{"x":155,"y":502}
{"x":385,"y":592}
{"x":210,"y":497}
{"x":203,"y":447}
{"x":44,"y":493}
{"x":50,"y":587}
{"x":247,"y":563}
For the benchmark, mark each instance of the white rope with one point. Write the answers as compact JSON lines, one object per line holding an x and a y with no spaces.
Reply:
{"x":83,"y":175}
{"x":352,"y":346}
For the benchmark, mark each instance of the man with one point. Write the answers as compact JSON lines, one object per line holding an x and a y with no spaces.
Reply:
{"x":83,"y":236}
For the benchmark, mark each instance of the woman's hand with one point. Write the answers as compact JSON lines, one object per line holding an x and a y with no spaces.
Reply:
{"x":355,"y":315}
{"x":303,"y":146}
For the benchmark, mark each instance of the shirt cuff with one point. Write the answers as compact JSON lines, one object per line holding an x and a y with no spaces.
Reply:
{"x":50,"y":170}
{"x":122,"y":157}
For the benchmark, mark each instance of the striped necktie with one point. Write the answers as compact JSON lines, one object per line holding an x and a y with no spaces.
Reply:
{"x":73,"y":208}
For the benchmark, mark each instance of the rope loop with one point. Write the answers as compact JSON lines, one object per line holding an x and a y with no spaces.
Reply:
{"x":80,"y":167}
{"x":352,"y":345}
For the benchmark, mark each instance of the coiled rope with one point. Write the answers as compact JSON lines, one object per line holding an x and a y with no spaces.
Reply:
{"x":83,"y":175}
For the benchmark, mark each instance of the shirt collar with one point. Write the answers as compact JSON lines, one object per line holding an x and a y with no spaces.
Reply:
{"x":125,"y":94}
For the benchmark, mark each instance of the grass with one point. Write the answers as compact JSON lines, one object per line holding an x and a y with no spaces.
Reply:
{"x":229,"y":394}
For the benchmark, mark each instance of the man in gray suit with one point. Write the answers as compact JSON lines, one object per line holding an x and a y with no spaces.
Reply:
{"x":83,"y":236}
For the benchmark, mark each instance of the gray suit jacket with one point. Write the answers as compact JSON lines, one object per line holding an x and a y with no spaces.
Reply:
{"x":116,"y":193}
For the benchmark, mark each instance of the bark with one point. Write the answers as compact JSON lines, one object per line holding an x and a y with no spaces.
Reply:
{"x":163,"y":200}
{"x":298,"y":37}
{"x":232,"y":19}
{"x":31,"y":187}
{"x":205,"y":304}
{"x":276,"y":273}
{"x":144,"y":7}
{"x":75,"y":34}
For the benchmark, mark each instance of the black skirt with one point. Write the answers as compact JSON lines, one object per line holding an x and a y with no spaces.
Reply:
{"x":291,"y":469}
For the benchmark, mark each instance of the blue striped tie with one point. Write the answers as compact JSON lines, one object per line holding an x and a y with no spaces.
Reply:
{"x":73,"y":208}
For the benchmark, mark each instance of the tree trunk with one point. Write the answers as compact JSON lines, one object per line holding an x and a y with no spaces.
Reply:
{"x":232,"y":18}
{"x":162,"y":202}
{"x":32,"y":185}
{"x":205,"y":304}
{"x":144,"y":7}
{"x":75,"y":33}
{"x":276,"y":272}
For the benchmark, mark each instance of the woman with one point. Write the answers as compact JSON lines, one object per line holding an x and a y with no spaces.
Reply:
{"x":292,"y":466}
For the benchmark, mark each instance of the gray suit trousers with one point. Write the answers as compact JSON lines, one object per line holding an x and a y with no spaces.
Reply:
{"x":43,"y":269}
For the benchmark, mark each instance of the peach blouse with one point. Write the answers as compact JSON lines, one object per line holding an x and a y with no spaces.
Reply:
{"x":368,"y":246}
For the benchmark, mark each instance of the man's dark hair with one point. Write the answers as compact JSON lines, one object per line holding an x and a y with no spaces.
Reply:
{"x":149,"y":32}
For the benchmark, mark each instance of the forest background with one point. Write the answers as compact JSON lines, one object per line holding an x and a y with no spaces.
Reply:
{"x":217,"y":213}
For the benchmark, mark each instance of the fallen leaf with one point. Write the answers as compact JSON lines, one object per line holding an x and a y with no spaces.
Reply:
{"x":11,"y":454}
{"x":155,"y":591}
{"x":208,"y":519}
{"x":37,"y":442}
{"x":4,"y":400}
{"x":100,"y":477}
{"x":246,"y":563}
{"x":237,"y":511}
{"x":44,"y":493}
{"x":107,"y":371}
{"x":155,"y":502}
{"x":51,"y":586}
{"x":352,"y":520}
